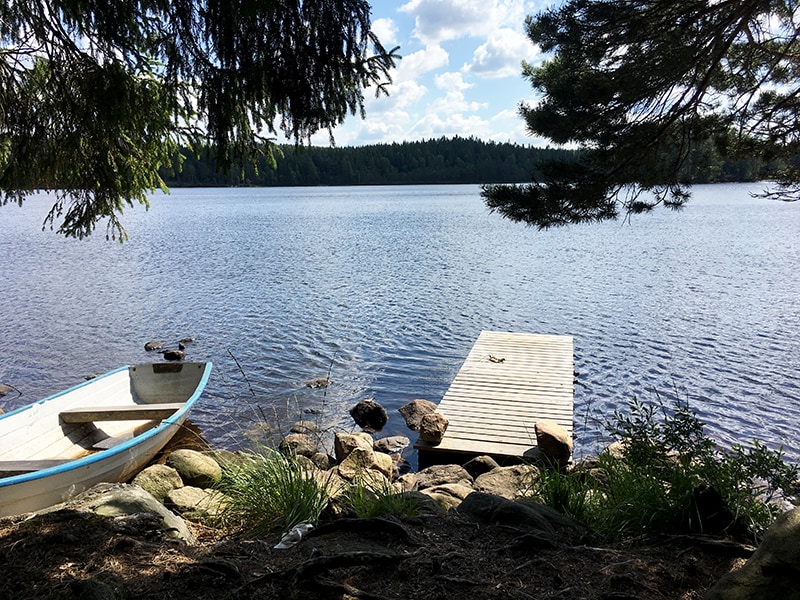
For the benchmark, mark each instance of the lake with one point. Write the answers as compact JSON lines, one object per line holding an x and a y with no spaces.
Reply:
{"x":387,"y":288}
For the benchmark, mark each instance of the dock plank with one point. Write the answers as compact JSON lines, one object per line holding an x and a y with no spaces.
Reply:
{"x":493,"y":403}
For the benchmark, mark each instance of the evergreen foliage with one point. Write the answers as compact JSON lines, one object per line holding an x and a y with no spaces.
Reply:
{"x":654,"y":94}
{"x":96,"y":97}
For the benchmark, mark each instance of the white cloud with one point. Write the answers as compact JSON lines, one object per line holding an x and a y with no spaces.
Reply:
{"x":387,"y":32}
{"x":450,"y":81}
{"x":402,"y":95}
{"x":420,"y":62}
{"x":441,"y":20}
{"x":501,"y":55}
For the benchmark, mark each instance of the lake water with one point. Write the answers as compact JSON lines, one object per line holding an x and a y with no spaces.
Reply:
{"x":387,"y":288}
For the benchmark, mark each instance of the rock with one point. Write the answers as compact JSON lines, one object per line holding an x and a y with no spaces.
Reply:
{"x":134,"y":510}
{"x":195,"y":503}
{"x":305,"y":463}
{"x":4,"y":389}
{"x":774,"y":569}
{"x":260,"y":432}
{"x":158,"y":480}
{"x":494,"y":510}
{"x":227,"y":459}
{"x":407,"y":482}
{"x":304,"y":426}
{"x":440,"y":475}
{"x":384,"y":464}
{"x":174,"y":354}
{"x":369,"y":415}
{"x":153,"y":345}
{"x":392,"y":445}
{"x":414,"y":411}
{"x":323,"y":461}
{"x":615,"y":450}
{"x":480,"y":465}
{"x":195,"y":468}
{"x":361,"y":460}
{"x":298,"y":444}
{"x":507,"y":482}
{"x":345,"y":443}
{"x":432,"y":427}
{"x":553,"y":440}
{"x":449,"y":495}
{"x":333,"y":483}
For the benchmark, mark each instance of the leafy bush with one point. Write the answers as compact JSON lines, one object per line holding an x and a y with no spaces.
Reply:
{"x":668,"y":476}
{"x":268,"y":492}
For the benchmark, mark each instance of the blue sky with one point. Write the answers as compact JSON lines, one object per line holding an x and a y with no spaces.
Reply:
{"x":460,"y":73}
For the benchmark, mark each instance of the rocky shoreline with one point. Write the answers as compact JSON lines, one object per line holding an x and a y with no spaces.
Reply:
{"x":175,"y":501}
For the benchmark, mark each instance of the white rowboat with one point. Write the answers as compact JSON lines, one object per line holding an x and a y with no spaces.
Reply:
{"x":105,"y":429}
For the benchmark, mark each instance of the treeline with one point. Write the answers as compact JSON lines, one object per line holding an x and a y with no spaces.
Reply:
{"x":443,"y":160}
{"x":456,"y":160}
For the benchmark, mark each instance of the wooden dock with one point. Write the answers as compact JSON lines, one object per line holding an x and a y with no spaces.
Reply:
{"x":507,"y":383}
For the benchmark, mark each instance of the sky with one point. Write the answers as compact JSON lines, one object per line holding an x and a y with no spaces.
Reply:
{"x":460,"y":75}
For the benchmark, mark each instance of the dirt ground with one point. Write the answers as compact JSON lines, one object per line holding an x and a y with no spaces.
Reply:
{"x":66,"y":555}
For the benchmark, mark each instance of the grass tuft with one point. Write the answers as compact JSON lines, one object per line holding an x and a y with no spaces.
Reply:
{"x":268,"y":492}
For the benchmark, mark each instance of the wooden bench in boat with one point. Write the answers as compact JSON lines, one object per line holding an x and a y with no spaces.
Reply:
{"x":129,"y":412}
{"x":17,"y":467}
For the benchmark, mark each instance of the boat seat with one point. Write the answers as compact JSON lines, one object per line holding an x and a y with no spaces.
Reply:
{"x":17,"y":467}
{"x":128,"y":412}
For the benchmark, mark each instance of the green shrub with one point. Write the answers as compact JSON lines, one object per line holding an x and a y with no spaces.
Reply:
{"x":269,"y":492}
{"x":670,"y":477}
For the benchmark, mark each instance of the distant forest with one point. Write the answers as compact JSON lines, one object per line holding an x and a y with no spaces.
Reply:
{"x":456,"y":160}
{"x":436,"y":161}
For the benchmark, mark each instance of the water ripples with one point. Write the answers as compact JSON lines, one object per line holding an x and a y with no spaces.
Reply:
{"x":387,"y":289}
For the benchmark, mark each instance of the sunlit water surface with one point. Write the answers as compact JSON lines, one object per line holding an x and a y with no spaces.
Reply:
{"x":387,"y":288}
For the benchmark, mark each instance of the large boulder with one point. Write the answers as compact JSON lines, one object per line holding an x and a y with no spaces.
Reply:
{"x":195,"y":468}
{"x":553,"y":440}
{"x":159,"y":480}
{"x":369,"y":415}
{"x":414,"y":411}
{"x":440,"y":475}
{"x":508,"y":482}
{"x":133,"y":509}
{"x":774,"y":569}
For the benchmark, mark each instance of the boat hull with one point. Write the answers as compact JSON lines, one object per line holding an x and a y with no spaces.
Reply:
{"x":36,"y":432}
